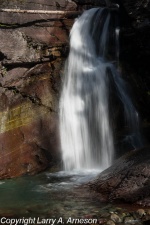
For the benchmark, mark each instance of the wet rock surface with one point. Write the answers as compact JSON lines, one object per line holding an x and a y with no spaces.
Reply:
{"x":127,"y":180}
{"x":134,"y":66}
{"x":108,"y":215}
{"x":54,"y":195}
{"x":33,"y":49}
{"x":134,"y":56}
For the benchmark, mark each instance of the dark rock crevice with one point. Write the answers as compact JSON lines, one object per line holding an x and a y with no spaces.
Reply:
{"x":9,"y":65}
{"x":36,"y":23}
{"x":33,"y":99}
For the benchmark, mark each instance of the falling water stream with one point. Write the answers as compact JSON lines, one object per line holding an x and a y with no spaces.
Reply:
{"x":85,"y":125}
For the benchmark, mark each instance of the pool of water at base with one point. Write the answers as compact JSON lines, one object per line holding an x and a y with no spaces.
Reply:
{"x":48,"y":195}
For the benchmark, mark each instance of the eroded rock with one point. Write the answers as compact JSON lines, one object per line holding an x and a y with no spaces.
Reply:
{"x":29,"y":123}
{"x":33,"y":49}
{"x":128,"y":179}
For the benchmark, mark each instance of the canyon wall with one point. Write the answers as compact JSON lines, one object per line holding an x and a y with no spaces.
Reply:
{"x":33,"y":49}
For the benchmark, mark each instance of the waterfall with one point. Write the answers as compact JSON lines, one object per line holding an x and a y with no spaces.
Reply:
{"x":85,"y":126}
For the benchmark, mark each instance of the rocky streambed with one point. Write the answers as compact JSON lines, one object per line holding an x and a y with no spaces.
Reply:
{"x":59,"y":196}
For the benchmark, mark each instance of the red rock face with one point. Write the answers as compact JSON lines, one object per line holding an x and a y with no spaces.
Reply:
{"x":29,"y":134}
{"x":33,"y":49}
{"x":32,"y":56}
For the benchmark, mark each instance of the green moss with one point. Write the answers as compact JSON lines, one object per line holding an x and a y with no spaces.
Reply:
{"x":3,"y":25}
{"x":4,"y":71}
{"x":148,"y":93}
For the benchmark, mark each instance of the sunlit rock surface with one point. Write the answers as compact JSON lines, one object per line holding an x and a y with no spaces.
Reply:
{"x":33,"y":48}
{"x":32,"y":52}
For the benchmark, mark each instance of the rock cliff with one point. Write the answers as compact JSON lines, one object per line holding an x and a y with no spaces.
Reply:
{"x":33,"y":49}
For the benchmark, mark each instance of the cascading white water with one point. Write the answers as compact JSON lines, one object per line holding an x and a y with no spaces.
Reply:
{"x":85,"y":129}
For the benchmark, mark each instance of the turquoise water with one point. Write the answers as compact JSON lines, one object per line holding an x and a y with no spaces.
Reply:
{"x":48,"y":194}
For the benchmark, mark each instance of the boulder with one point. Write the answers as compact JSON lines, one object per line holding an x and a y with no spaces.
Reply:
{"x":128,"y":179}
